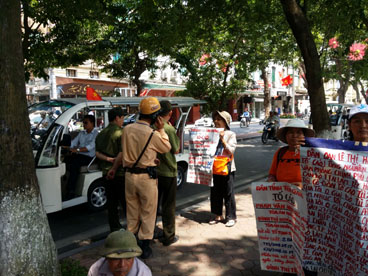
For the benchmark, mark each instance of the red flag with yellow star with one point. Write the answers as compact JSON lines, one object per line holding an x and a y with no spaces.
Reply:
{"x":286,"y":81}
{"x":92,"y":95}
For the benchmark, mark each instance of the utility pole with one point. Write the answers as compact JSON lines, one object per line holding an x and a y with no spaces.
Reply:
{"x":293,"y":94}
{"x":53,"y":89}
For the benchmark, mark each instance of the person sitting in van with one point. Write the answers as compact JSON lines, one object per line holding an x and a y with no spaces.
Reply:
{"x":82,"y":151}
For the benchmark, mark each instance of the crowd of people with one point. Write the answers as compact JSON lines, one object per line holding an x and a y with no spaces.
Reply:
{"x":140,"y":170}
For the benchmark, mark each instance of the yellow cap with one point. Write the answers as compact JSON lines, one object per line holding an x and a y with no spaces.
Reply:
{"x":149,"y":105}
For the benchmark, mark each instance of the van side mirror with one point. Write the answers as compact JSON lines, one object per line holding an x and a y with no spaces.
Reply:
{"x":66,"y":141}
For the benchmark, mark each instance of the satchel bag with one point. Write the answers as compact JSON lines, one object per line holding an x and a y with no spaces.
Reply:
{"x":221,"y":165}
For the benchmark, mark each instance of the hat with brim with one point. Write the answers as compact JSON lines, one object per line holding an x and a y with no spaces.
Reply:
{"x":294,"y":123}
{"x":121,"y":245}
{"x":224,"y":115}
{"x":358,"y":109}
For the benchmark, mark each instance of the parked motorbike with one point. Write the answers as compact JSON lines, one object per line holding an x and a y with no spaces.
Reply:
{"x":245,"y":121}
{"x":269,"y":132}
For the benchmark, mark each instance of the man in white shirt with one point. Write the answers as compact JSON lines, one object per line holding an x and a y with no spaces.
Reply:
{"x":82,"y":152}
{"x":120,"y":254}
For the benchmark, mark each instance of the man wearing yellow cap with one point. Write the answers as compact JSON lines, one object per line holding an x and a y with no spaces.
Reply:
{"x":140,"y":147}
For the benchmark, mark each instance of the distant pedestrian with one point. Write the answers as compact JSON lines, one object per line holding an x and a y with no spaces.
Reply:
{"x":120,"y":254}
{"x":108,"y":148}
{"x":223,"y":185}
{"x":140,"y":147}
{"x":167,"y":172}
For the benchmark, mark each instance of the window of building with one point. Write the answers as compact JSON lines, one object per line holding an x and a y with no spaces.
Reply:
{"x":71,"y":72}
{"x":94,"y":74}
{"x":273,"y":74}
{"x":126,"y":92}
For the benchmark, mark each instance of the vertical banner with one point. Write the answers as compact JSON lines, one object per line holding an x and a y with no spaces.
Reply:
{"x":202,"y":146}
{"x":335,"y":178}
{"x":281,"y":216}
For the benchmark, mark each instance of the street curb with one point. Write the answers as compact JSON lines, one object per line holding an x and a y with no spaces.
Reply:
{"x":97,"y":239}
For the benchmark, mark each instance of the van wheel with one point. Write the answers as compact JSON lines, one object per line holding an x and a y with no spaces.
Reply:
{"x":180,"y":177}
{"x":97,"y":198}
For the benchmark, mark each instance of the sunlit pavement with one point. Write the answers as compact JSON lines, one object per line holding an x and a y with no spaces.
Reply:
{"x":204,"y":249}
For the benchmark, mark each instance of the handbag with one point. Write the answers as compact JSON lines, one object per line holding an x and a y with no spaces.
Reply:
{"x":221,"y":165}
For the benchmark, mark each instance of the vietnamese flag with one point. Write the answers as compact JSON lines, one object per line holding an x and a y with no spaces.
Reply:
{"x":144,"y":93}
{"x":286,"y":81}
{"x":92,"y":95}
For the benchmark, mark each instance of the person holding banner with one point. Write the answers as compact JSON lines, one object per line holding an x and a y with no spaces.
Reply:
{"x":358,"y":123}
{"x":223,"y":188}
{"x":286,"y":161}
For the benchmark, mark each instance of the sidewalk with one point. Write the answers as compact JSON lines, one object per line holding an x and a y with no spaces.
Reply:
{"x":203,"y":249}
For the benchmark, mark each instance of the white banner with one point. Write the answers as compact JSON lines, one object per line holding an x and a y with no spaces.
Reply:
{"x":335,"y":177}
{"x":202,"y":145}
{"x":281,"y":216}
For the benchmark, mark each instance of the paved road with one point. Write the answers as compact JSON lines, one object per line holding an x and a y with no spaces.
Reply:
{"x":75,"y":226}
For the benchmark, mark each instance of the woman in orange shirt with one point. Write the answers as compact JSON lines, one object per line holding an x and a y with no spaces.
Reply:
{"x":286,"y":161}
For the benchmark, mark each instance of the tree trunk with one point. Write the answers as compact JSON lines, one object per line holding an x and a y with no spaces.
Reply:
{"x":300,"y":26}
{"x":26,"y":244}
{"x":341,"y":92}
{"x":344,"y":82}
{"x":356,"y":88}
{"x":363,"y":92}
{"x":267,"y":96}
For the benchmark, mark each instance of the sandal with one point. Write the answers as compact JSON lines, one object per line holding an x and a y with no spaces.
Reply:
{"x":216,"y":220}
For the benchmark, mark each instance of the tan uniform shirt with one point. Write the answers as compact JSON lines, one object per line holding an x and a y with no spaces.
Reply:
{"x":135,"y":137}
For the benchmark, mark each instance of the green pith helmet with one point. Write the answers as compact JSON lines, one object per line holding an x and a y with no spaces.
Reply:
{"x":122,"y":245}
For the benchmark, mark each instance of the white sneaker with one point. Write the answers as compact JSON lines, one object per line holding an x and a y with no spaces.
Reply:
{"x":230,"y":223}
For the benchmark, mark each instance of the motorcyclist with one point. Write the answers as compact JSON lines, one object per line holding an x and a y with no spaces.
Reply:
{"x":275,"y":121}
{"x":246,"y":116}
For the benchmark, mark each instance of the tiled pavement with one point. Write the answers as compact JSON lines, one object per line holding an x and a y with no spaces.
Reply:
{"x":203,"y":249}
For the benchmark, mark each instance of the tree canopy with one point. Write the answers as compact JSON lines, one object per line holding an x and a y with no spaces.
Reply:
{"x":239,"y":37}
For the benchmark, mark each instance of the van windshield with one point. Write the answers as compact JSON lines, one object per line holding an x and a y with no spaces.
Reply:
{"x":42,"y":115}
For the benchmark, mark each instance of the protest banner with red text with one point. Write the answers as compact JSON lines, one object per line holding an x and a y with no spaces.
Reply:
{"x":202,"y":146}
{"x":335,"y":178}
{"x":281,"y":216}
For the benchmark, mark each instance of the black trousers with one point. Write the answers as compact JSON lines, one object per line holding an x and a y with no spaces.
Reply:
{"x":73,"y":164}
{"x":115,"y":193}
{"x":223,"y":191}
{"x":167,"y":191}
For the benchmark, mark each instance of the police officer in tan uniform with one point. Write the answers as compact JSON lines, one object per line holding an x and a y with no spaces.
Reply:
{"x":140,"y":180}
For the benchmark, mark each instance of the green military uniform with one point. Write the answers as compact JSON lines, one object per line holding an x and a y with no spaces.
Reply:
{"x":167,"y":181}
{"x":108,"y":142}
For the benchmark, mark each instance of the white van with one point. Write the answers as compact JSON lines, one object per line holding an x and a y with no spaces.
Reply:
{"x":338,"y":115}
{"x":61,"y":122}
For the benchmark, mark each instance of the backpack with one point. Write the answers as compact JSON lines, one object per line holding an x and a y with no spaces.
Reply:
{"x":280,"y":154}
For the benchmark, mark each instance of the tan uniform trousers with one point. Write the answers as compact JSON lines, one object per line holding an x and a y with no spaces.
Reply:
{"x":141,"y":202}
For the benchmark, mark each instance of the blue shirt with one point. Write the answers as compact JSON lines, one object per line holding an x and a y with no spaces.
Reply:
{"x":246,"y":114}
{"x":86,"y":140}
